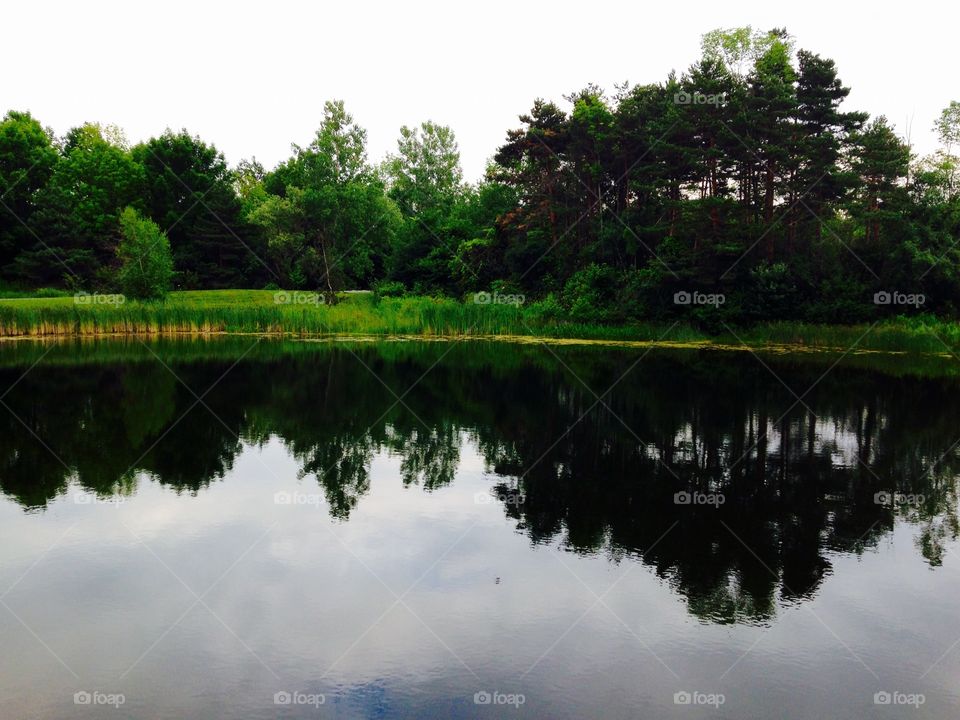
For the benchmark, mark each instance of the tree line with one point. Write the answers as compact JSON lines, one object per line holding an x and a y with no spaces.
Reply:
{"x":738,"y":190}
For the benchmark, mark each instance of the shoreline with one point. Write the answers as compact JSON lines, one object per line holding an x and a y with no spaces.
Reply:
{"x":363,"y":316}
{"x":715,"y":345}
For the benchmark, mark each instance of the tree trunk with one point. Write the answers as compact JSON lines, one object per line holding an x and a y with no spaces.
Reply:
{"x":330,"y":297}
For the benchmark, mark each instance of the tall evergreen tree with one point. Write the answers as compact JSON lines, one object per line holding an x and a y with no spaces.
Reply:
{"x":823,"y":134}
{"x":190,"y":195}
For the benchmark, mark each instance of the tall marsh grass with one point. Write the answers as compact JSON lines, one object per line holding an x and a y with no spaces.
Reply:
{"x":255,"y":311}
{"x":258,"y":311}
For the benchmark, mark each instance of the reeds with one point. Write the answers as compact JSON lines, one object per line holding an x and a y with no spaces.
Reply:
{"x":301,"y":315}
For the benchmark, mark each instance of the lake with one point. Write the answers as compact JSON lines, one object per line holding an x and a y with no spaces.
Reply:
{"x":252,"y":528}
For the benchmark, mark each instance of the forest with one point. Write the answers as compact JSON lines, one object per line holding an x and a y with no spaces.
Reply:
{"x":739,"y":191}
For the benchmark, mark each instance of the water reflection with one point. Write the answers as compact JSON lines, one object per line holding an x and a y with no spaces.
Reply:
{"x":782,"y":471}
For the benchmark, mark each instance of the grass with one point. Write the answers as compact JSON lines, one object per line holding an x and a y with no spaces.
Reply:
{"x":902,"y":335}
{"x":257,"y":311}
{"x":6,"y":292}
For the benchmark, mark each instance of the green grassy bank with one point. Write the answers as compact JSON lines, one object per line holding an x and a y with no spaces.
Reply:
{"x":298,"y":315}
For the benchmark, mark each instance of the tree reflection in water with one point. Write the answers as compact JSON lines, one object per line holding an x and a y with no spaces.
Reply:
{"x":798,"y":479}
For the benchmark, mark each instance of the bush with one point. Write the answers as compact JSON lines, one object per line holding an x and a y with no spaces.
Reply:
{"x":389,"y":288}
{"x":591,"y":293}
{"x":146,"y":265}
{"x":644,"y":294}
{"x":772,"y":293}
{"x":547,"y":310}
{"x":6,"y":292}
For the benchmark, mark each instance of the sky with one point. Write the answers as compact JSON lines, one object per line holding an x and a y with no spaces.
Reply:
{"x":252,"y":77}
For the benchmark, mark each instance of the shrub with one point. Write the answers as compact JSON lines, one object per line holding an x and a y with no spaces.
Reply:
{"x":772,"y":293}
{"x":389,"y":288}
{"x":547,"y":310}
{"x":590,"y":294}
{"x":644,"y":294}
{"x":146,"y":265}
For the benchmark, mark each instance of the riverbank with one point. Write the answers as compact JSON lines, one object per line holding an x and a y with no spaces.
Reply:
{"x":303,"y":315}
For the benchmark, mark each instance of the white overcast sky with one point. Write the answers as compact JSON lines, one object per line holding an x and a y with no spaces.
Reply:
{"x":252,"y":77}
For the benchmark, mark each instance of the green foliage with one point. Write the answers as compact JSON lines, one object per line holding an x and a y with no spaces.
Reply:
{"x":389,"y":288}
{"x":38,"y":293}
{"x":590,"y":294}
{"x":425,"y":180}
{"x":146,"y":263}
{"x":256,"y":311}
{"x":190,"y":192}
{"x":739,"y":48}
{"x":79,"y":208}
{"x":425,"y":173}
{"x":27,"y":161}
{"x":743,"y":177}
{"x":772,"y":293}
{"x":324,"y":214}
{"x":948,"y":126}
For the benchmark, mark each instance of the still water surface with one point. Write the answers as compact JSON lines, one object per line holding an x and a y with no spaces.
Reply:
{"x":260,"y":529}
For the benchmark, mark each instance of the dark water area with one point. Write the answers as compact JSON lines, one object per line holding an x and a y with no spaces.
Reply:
{"x":262,"y":529}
